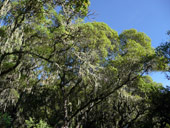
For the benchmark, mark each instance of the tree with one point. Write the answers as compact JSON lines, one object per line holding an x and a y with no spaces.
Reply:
{"x":164,"y":50}
{"x":56,"y":68}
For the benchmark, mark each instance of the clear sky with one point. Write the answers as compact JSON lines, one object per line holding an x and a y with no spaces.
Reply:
{"x":149,"y":16}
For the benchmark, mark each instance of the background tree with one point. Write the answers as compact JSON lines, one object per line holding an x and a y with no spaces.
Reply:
{"x":164,"y":50}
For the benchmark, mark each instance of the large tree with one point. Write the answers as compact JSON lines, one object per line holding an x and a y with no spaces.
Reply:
{"x":57,"y":68}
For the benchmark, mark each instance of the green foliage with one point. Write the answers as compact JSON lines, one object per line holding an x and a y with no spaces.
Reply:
{"x":5,"y":120}
{"x":32,"y":124}
{"x":147,"y":85}
{"x":80,"y":5}
{"x":56,"y":68}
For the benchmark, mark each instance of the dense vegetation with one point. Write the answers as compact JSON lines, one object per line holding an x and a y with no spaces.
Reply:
{"x":58,"y":71}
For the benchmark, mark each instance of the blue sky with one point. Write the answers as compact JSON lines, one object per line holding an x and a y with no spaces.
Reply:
{"x":149,"y":16}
